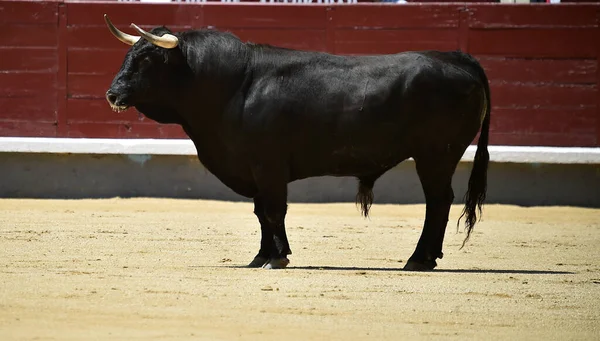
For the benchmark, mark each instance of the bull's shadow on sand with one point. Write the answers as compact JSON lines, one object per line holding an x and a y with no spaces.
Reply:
{"x":466,"y":271}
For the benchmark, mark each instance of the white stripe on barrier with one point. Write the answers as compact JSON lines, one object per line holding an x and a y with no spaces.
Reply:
{"x":517,"y":154}
{"x":97,"y":146}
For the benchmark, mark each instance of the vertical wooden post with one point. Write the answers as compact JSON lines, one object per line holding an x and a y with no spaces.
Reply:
{"x":330,"y":28}
{"x":463,"y":28}
{"x":61,"y":112}
{"x":598,"y":78}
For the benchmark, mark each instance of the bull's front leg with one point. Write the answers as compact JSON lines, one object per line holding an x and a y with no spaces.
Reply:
{"x":274,"y":246}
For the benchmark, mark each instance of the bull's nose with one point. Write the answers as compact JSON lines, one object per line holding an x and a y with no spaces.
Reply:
{"x":111,"y":97}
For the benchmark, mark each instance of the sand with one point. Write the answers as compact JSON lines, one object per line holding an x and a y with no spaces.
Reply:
{"x":163,"y":269}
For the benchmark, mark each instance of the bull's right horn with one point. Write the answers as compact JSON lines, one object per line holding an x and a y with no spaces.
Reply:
{"x":122,"y":36}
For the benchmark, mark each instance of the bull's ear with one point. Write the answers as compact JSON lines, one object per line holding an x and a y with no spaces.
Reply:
{"x":167,"y":41}
{"x":122,"y":36}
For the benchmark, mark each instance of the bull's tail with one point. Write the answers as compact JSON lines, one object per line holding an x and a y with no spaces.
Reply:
{"x":476,"y":192}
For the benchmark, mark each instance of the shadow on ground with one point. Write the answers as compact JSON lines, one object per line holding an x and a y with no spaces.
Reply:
{"x":467,"y":271}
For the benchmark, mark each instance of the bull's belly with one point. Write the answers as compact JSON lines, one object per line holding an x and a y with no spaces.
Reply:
{"x":346,"y":162}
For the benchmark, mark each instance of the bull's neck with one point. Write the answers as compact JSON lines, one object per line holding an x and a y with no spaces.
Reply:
{"x":212,"y":103}
{"x":218,"y":77}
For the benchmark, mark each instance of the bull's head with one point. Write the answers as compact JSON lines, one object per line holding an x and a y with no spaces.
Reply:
{"x":150,"y":74}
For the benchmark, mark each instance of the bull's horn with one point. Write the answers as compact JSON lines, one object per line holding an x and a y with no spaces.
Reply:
{"x":124,"y":37}
{"x":167,"y":41}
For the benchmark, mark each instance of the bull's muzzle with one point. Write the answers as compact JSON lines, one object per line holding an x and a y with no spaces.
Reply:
{"x":115,"y":102}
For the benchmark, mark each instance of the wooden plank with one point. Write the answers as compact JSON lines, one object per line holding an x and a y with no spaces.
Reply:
{"x":26,"y":35}
{"x":566,"y":71}
{"x":94,"y":130}
{"x":95,"y":61}
{"x":393,"y":41}
{"x":289,"y":16}
{"x":40,"y":12}
{"x":533,"y":42}
{"x":486,"y":16}
{"x":27,"y":129}
{"x":543,"y":139}
{"x":570,"y":121}
{"x":463,"y":29}
{"x":548,"y":96}
{"x":160,"y":131}
{"x":41,"y":107}
{"x":394,"y":17}
{"x":125,"y":130}
{"x":598,"y":81}
{"x":330,"y":30}
{"x":313,"y":40}
{"x":26,"y":84}
{"x":125,"y":13}
{"x":61,"y":81}
{"x":95,"y":37}
{"x":88,"y":86}
{"x":98,"y":110}
{"x":28,"y":59}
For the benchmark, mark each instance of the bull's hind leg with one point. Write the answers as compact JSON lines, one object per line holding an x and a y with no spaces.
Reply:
{"x":266,"y":239}
{"x":435,"y":173}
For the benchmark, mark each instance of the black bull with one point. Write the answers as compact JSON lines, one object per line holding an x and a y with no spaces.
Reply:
{"x":261,"y":117}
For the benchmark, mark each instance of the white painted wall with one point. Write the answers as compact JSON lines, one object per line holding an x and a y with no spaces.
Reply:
{"x":513,"y":154}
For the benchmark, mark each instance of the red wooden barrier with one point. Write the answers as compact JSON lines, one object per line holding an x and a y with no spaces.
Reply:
{"x":28,"y":68}
{"x":57,"y":58}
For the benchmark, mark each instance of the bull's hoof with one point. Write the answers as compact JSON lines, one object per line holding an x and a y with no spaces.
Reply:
{"x":258,"y":262}
{"x":427,"y":265}
{"x":277,"y":263}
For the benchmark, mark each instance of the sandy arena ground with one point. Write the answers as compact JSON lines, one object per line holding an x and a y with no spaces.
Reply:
{"x":146,"y":269}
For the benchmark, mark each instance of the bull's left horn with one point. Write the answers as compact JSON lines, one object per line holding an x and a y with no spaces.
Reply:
{"x":167,"y":41}
{"x":122,"y":36}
